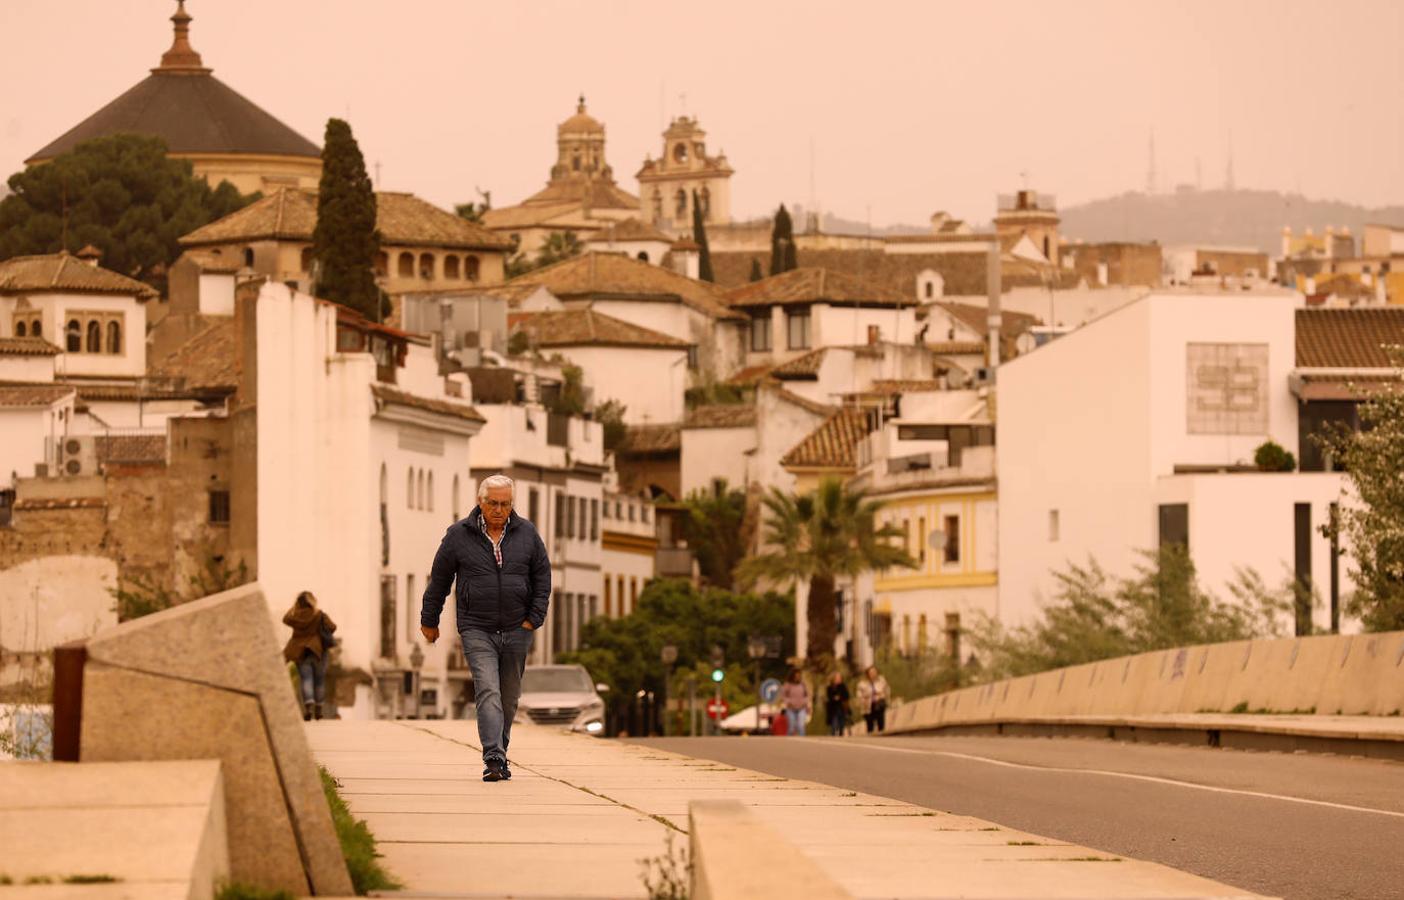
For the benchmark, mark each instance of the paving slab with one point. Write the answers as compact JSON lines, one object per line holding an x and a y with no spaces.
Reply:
{"x":581,"y":815}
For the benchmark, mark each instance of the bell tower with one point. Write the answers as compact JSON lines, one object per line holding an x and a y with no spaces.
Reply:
{"x":667,"y":185}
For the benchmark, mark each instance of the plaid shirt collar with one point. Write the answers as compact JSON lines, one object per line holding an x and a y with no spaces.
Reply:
{"x":497,"y":544}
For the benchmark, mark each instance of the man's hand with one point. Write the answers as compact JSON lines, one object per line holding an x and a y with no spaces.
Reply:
{"x":430,"y":634}
{"x":528,"y":626}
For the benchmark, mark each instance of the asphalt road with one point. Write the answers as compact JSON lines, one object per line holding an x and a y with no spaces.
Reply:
{"x":1306,"y":827}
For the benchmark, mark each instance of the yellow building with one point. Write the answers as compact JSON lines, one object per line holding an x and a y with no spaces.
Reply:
{"x":223,"y":135}
{"x":668,"y":184}
{"x":422,"y":247}
{"x":581,"y":196}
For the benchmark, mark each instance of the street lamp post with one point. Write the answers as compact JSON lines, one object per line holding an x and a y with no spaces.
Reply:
{"x":669,"y":655}
{"x":416,"y":663}
{"x":755,"y":649}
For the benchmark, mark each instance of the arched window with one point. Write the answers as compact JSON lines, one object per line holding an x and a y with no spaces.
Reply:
{"x":470,"y":268}
{"x":450,"y":266}
{"x":74,"y":338}
{"x":382,"y":264}
{"x":409,"y":491}
{"x":681,"y":202}
{"x":704,"y":197}
{"x":1047,"y":249}
{"x":114,"y":337}
{"x":21,"y":330}
{"x":456,"y":507}
{"x":426,"y":266}
{"x":643,"y":256}
{"x":305,"y":260}
{"x":575,"y":162}
{"x":422,"y":500}
{"x":248,"y":257}
{"x":94,"y":337}
{"x":406,"y":265}
{"x":37,"y":328}
{"x":429,"y":494}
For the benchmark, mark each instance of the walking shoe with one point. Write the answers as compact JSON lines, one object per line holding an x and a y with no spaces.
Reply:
{"x":493,"y":772}
{"x":506,"y":772}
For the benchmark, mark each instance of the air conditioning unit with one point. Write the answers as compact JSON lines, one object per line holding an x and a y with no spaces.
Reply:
{"x":78,"y":455}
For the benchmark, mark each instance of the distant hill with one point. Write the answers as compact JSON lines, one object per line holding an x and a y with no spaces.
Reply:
{"x":1238,"y":218}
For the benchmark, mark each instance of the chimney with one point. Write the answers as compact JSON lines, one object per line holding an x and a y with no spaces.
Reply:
{"x":90,"y":255}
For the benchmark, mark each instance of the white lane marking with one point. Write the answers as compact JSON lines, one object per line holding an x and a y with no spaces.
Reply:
{"x":1129,"y":775}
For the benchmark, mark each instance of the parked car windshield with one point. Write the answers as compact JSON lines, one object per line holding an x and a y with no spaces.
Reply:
{"x":555,"y":681}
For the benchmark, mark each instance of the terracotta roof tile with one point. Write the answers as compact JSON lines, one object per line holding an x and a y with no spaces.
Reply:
{"x":402,"y":219}
{"x":834,"y":444}
{"x":387,"y":394}
{"x":957,"y":348}
{"x":962,"y":272}
{"x":721,"y":415}
{"x":27,"y":395}
{"x":804,"y":367}
{"x":818,"y":285}
{"x":629,"y":230}
{"x":977,"y":318}
{"x":1348,"y":338}
{"x":63,"y":272}
{"x":749,"y":374}
{"x":615,"y":276}
{"x":905,"y":386}
{"x":27,"y":346}
{"x":210,"y":359}
{"x":131,"y":448}
{"x":577,"y":327}
{"x":652,"y":439}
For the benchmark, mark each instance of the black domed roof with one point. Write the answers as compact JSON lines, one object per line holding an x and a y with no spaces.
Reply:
{"x":194,"y":112}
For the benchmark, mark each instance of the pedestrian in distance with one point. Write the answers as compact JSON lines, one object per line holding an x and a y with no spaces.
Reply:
{"x":872,"y":699}
{"x":501,"y":576}
{"x":836,"y":704}
{"x":307,"y":649}
{"x":794,"y":697}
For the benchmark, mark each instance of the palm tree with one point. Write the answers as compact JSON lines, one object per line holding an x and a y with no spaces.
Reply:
{"x":828,"y":533}
{"x":715,"y":528}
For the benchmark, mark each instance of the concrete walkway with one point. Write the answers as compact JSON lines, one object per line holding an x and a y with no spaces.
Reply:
{"x":582,"y":813}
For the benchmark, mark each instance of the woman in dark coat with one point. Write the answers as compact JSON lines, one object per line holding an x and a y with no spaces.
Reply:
{"x":307,"y":648}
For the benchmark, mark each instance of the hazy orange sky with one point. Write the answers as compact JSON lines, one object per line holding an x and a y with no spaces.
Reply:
{"x":909,"y":107}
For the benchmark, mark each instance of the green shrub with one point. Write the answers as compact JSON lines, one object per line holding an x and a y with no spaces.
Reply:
{"x":1271,"y":457}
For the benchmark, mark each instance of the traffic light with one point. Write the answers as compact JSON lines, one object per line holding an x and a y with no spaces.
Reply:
{"x":718,"y":660}
{"x":718,"y":675}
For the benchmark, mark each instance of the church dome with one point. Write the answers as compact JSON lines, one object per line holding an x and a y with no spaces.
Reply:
{"x":581,"y":122}
{"x":191,"y":110}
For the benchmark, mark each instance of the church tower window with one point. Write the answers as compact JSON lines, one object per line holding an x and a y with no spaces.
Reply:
{"x":681,"y":199}
{"x":406,"y":265}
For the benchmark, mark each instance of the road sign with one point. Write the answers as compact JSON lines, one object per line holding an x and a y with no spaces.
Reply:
{"x":770,"y":689}
{"x":717,"y":709}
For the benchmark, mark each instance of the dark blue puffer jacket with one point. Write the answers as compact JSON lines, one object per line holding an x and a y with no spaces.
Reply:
{"x":488,"y":597}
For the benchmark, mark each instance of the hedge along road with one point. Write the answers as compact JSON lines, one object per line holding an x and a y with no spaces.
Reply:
{"x":1288,"y":825}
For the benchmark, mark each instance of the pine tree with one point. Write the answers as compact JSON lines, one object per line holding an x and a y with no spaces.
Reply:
{"x":782,"y":242}
{"x":699,"y":234}
{"x":345,"y":240}
{"x":756,"y":273}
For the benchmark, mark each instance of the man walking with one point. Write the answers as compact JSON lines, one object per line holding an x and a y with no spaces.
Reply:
{"x":503,"y":586}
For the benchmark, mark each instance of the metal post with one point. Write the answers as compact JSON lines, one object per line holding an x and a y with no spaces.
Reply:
{"x":69,"y":660}
{"x":692,"y":705}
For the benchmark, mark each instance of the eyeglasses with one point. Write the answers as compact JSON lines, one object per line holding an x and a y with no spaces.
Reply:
{"x":497,"y":504}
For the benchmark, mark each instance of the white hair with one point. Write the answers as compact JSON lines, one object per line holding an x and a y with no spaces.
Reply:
{"x":496,"y":481}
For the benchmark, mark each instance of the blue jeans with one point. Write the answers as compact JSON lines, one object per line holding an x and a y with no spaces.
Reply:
{"x":796,"y":718}
{"x":312,"y":671}
{"x":496,"y":659}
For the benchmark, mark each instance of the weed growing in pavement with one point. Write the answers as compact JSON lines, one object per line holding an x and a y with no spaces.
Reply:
{"x":1024,"y":844}
{"x":234,"y":890}
{"x":357,"y":843}
{"x":91,"y":879}
{"x":669,"y":875}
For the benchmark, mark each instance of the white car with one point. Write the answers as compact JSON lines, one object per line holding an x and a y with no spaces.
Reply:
{"x":564,"y":696}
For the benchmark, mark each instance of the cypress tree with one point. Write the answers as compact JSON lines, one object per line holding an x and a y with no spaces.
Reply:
{"x":756,"y":273}
{"x":782,"y":241}
{"x":345,"y":240}
{"x":699,"y":234}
